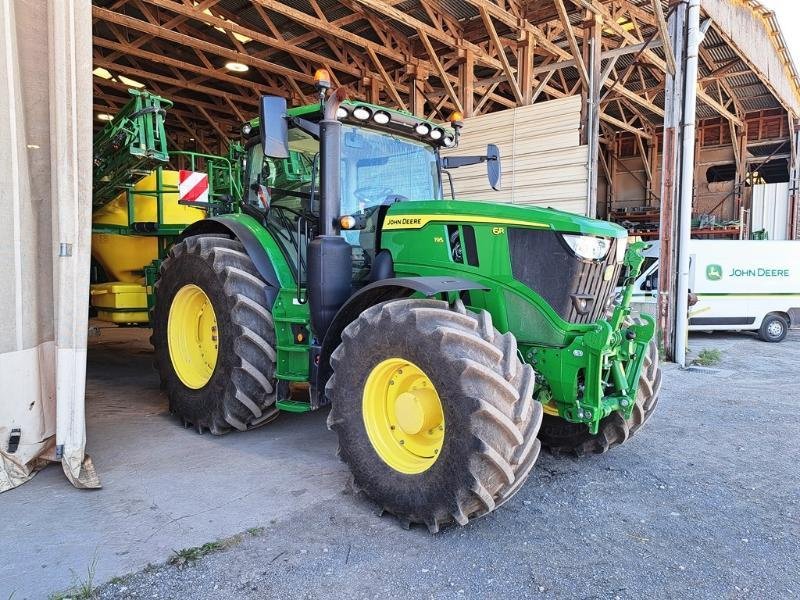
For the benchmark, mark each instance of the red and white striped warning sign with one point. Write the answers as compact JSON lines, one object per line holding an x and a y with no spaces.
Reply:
{"x":193,"y":186}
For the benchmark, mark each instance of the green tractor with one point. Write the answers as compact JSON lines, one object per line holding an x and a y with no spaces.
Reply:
{"x":449,"y":338}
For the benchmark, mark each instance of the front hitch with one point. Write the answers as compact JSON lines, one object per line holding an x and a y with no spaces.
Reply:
{"x":598,"y":373}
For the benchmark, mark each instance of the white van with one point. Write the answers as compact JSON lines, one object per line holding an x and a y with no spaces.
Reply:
{"x":740,"y":285}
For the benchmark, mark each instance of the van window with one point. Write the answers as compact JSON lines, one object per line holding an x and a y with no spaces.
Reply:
{"x":648,"y":262}
{"x":650,"y":282}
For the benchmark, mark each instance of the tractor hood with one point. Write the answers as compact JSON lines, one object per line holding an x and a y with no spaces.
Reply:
{"x":415,"y":215}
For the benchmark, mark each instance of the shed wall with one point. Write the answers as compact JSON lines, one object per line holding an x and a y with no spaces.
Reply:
{"x":543,"y":161}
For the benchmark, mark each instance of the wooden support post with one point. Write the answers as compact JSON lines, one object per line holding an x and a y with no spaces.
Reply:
{"x":525,"y":64}
{"x":374,"y":90}
{"x":648,"y":169}
{"x":416,"y":98}
{"x":466,"y":82}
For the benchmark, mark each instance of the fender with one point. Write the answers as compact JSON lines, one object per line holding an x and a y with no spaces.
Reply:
{"x":370,"y":295}
{"x":260,"y":246}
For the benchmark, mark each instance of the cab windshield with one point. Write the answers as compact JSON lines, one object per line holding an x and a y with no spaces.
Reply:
{"x":379,"y":167}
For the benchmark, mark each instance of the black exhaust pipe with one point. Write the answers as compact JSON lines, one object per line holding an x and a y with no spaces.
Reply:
{"x":330,"y":259}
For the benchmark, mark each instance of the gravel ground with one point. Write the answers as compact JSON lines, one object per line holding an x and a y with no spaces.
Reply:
{"x":703,"y":503}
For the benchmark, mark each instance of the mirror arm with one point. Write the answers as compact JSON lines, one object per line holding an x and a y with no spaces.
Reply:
{"x":309,"y":127}
{"x":450,"y":179}
{"x":454,"y":162}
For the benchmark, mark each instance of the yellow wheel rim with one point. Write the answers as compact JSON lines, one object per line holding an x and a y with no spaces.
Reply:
{"x":403,"y":416}
{"x":192,"y":336}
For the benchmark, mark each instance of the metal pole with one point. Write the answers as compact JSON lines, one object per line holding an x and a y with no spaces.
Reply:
{"x":670,"y":181}
{"x":695,"y":37}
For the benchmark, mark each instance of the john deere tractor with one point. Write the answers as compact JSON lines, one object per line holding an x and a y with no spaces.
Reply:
{"x":439,"y":332}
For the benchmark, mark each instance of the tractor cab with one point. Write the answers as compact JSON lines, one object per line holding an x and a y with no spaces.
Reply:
{"x":374,"y":157}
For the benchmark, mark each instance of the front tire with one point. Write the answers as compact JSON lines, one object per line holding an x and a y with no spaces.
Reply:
{"x":559,"y":436}
{"x":433,"y":410}
{"x":774,"y":328}
{"x":214,"y":337}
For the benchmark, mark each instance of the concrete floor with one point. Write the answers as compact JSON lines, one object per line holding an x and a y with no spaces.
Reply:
{"x":702,"y":503}
{"x":164,"y":487}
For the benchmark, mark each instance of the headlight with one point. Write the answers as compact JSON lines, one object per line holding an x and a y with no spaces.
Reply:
{"x":622,"y":246}
{"x":437,"y":134}
{"x":381,"y":117}
{"x":247,"y":128}
{"x":422,"y":129}
{"x":341,"y":112}
{"x":449,"y":141}
{"x":587,"y":246}
{"x":361,"y":113}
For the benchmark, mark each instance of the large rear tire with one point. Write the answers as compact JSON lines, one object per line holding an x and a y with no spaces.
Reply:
{"x":559,"y":436}
{"x":214,"y":337}
{"x":433,"y":410}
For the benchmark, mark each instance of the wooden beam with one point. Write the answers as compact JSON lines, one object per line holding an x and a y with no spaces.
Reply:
{"x":190,"y":42}
{"x":230,"y":26}
{"x":200,"y":89}
{"x":224,"y":136}
{"x":383,"y":8}
{"x":440,"y":70}
{"x":658,"y":11}
{"x":386,"y":79}
{"x":525,"y":62}
{"x":612,"y":53}
{"x":487,"y":21}
{"x":569,"y":32}
{"x":185,"y":66}
{"x":466,"y":83}
{"x":513,"y":22}
{"x":195,"y":135}
{"x":624,"y":126}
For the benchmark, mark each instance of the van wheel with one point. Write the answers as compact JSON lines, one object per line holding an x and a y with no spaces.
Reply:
{"x":774,"y":328}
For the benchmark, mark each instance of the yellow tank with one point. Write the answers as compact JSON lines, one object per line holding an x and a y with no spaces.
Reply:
{"x":123,"y":257}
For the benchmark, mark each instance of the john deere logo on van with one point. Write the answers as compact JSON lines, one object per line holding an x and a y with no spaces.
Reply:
{"x":713,"y":272}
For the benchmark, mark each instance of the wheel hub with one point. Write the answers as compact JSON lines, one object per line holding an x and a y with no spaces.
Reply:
{"x":192,"y":336}
{"x":775,"y":329}
{"x":403,"y":416}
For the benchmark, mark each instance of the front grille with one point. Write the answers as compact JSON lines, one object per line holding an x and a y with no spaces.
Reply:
{"x":541,"y":259}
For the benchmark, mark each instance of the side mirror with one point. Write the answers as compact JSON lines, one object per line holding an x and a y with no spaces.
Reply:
{"x":274,"y":127}
{"x":493,"y":166}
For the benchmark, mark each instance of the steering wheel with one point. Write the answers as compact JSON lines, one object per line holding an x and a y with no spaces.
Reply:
{"x":373,"y":192}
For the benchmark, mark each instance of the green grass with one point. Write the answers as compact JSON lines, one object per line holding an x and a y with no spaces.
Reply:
{"x":708,"y":357}
{"x":82,"y":589}
{"x":187,"y":556}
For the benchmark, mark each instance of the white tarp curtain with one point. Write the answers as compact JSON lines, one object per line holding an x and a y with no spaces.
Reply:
{"x":45,"y":203}
{"x":770,"y":210}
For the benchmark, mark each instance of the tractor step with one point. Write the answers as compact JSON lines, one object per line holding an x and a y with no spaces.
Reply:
{"x":293,"y":406}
